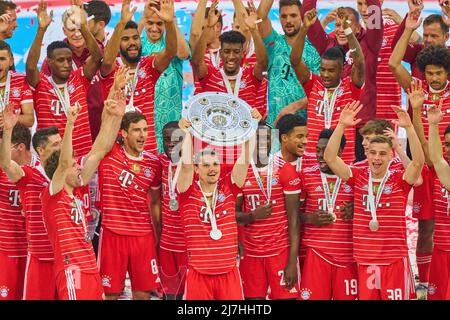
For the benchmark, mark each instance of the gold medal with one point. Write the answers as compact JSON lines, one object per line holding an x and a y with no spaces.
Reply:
{"x":435,"y":97}
{"x":136,"y":167}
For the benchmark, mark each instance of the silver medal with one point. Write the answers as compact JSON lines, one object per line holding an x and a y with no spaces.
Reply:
{"x":173,"y":204}
{"x":374,"y":225}
{"x":215,"y":234}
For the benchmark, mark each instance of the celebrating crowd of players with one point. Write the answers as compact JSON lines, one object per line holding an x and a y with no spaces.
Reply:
{"x":313,"y":210}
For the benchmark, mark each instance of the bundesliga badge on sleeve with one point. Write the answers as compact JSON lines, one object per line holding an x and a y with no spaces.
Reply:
{"x":220,"y":119}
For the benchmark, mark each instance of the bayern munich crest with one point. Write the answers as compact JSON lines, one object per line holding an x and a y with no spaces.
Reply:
{"x":16,"y":93}
{"x":220,"y":119}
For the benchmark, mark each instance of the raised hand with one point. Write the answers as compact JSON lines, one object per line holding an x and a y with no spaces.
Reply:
{"x":121,"y":78}
{"x":77,"y":15}
{"x":5,"y":20}
{"x":310,"y":18}
{"x":403,"y":120}
{"x":9,"y":117}
{"x":415,"y":93}
{"x":445,"y":6}
{"x":391,"y":13}
{"x":126,"y":13}
{"x":391,"y":135}
{"x":166,"y":9}
{"x":44,"y":19}
{"x":413,"y":21}
{"x":435,"y":114}
{"x":256,"y":115}
{"x":349,"y":113}
{"x":115,"y":107}
{"x":252,"y":18}
{"x":342,"y":17}
{"x":184,"y":124}
{"x":330,"y":17}
{"x":415,"y":6}
{"x":213,"y":17}
{"x":72,"y":113}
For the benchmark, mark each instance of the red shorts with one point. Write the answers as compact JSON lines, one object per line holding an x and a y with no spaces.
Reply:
{"x":227,"y":286}
{"x":423,"y":201}
{"x":386,"y":282}
{"x":12,"y":273}
{"x":172,"y":271}
{"x":40,"y":283}
{"x":324,"y":280}
{"x":439,"y":284}
{"x":75,"y":285}
{"x":260,"y":274}
{"x":121,"y":253}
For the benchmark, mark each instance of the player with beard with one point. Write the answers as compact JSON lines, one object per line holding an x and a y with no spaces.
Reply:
{"x":328,"y":93}
{"x":172,"y":247}
{"x":379,"y":227}
{"x":53,"y":95}
{"x":145,"y":71}
{"x":14,"y":88}
{"x":268,"y":209}
{"x":207,"y":209}
{"x":328,"y":233}
{"x":8,"y":19}
{"x":285,"y":96}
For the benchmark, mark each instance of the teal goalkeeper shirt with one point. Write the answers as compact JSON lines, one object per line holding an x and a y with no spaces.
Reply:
{"x":168,"y":89}
{"x":284,"y":87}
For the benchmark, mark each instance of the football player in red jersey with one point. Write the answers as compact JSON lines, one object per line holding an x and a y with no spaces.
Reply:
{"x":435,"y":147}
{"x":8,"y":19}
{"x":207,"y":209}
{"x":379,"y":227}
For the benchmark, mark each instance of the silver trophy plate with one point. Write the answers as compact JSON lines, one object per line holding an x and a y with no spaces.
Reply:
{"x":220,"y":119}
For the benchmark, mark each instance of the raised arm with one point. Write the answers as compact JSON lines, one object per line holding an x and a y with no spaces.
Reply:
{"x":359,"y":66}
{"x":112,"y":48}
{"x":183,"y":51}
{"x":414,"y":169}
{"x":346,"y":119}
{"x":301,"y":69}
{"x":187,"y":167}
{"x":44,"y":20}
{"x":397,"y":147}
{"x":197,"y":23}
{"x":11,"y":168}
{"x":316,"y":33}
{"x":395,"y":61}
{"x":375,"y":26}
{"x":262,"y":60}
{"x":265,"y":27}
{"x":66,"y":155}
{"x":441,"y":166}
{"x":240,"y":168}
{"x":166,"y":13}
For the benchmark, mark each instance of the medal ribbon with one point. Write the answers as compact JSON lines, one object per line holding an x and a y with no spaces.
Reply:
{"x":5,"y":99}
{"x":172,"y":182}
{"x":64,"y":100}
{"x":329,"y":106}
{"x":373,"y":204}
{"x":237,"y":83}
{"x":215,"y":58}
{"x":298,"y":166}
{"x":209,"y":210}
{"x":79,"y":206}
{"x":269,"y":179}
{"x":330,"y":200}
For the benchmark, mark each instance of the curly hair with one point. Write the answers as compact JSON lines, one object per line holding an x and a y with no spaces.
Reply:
{"x":436,"y":55}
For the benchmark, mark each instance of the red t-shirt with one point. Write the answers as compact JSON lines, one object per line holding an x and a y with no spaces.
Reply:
{"x":268,"y":237}
{"x":144,"y":94}
{"x":66,"y":221}
{"x":172,"y":233}
{"x":389,"y":243}
{"x":441,"y":206}
{"x":334,"y":240}
{"x":50,"y":112}
{"x":124,"y":183}
{"x":19,"y":90}
{"x":206,"y":255}
{"x":345,"y":93}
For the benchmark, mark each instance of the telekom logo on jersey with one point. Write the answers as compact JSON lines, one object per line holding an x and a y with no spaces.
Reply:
{"x":14,"y":198}
{"x":126,"y":178}
{"x":57,"y":108}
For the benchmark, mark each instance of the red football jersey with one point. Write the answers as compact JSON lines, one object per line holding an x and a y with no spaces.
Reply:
{"x":307,"y":160}
{"x":66,"y":221}
{"x":13,"y":237}
{"x":388,"y":89}
{"x":124,"y":183}
{"x":441,"y":205}
{"x":206,"y":255}
{"x":51,"y":112}
{"x":172,"y":234}
{"x":19,"y":90}
{"x":268,"y":237}
{"x":334,"y":240}
{"x":143,"y":96}
{"x":345,"y":93}
{"x":388,"y":243}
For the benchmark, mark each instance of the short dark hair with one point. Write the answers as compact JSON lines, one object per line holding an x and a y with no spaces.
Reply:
{"x":99,"y":9}
{"x":204,"y":152}
{"x":5,"y":46}
{"x":56,"y":45}
{"x":131,"y":117}
{"x":447,"y":130}
{"x":335,"y":53}
{"x":7,"y":5}
{"x":375,"y":126}
{"x":285,"y":3}
{"x":21,"y":134}
{"x":220,"y":17}
{"x":131,"y":25}
{"x":326,"y":134}
{"x":40,"y":138}
{"x":171,"y":125}
{"x":288,"y":122}
{"x":52,"y":163}
{"x":232,"y":37}
{"x":436,"y":55}
{"x":436,"y":18}
{"x":382,"y":139}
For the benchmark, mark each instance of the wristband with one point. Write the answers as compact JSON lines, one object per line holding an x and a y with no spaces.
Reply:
{"x":348,"y":31}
